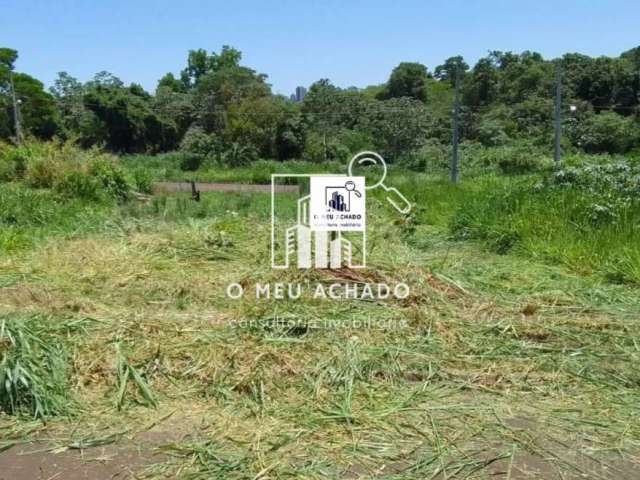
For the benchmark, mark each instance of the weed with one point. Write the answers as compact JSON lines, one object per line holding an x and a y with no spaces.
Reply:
{"x":34,"y":373}
{"x":125,"y":373}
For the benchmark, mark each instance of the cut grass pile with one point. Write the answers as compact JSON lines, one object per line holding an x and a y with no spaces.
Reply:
{"x":494,"y":366}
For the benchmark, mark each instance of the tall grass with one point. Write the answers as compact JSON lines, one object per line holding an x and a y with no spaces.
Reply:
{"x":51,"y":188}
{"x":28,"y":216}
{"x":586,"y":217}
{"x":34,"y":372}
{"x":66,"y":169}
{"x":167,"y":167}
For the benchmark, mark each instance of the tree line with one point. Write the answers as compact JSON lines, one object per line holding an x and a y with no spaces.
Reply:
{"x":218,"y":107}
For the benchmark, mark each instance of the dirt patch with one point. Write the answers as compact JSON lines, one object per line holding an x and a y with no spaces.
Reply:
{"x":35,"y":461}
{"x":172,"y":187}
{"x":125,"y":458}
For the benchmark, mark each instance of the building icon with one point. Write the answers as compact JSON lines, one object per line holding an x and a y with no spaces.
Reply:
{"x":308,"y":248}
{"x":337,"y":203}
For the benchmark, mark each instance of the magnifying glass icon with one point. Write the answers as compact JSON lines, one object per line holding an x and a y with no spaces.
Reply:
{"x":351,"y":187}
{"x":374,"y":162}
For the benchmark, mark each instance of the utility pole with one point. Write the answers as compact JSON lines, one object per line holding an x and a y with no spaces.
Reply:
{"x":456,"y":111}
{"x":324,"y":142}
{"x":16,"y":110}
{"x":558,"y":130}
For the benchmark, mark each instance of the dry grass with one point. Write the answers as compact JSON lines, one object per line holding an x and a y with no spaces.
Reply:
{"x":502,"y":367}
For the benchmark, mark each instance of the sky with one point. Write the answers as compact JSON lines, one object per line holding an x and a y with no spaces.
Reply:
{"x":353,"y":43}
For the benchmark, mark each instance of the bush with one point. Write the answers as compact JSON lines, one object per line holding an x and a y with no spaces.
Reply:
{"x":607,"y":132}
{"x":197,"y":141}
{"x":14,"y":160}
{"x":432,"y":157}
{"x":42,"y":173}
{"x":142,"y":180}
{"x":237,"y":155}
{"x":111,"y":177}
{"x":190,"y":162}
{"x":196,"y":146}
{"x":319,"y":148}
{"x":491,"y":132}
{"x":65,"y":168}
{"x":79,"y":185}
{"x":518,"y":163}
{"x":517,"y":158}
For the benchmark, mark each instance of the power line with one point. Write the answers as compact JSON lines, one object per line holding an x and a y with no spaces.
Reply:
{"x":355,"y":111}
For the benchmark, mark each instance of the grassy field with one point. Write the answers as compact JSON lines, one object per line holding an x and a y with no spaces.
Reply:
{"x":511,"y":358}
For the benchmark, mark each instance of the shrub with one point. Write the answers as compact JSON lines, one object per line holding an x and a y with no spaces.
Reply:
{"x":142,"y":180}
{"x":607,"y":132}
{"x":190,"y":162}
{"x":516,"y":158}
{"x":432,"y":157}
{"x":238,"y":155}
{"x":491,"y":132}
{"x":197,"y":141}
{"x":111,"y":177}
{"x":319,"y":148}
{"x":14,"y":160}
{"x":516,"y":163}
{"x":42,"y":172}
{"x":79,"y":185}
{"x":67,"y":169}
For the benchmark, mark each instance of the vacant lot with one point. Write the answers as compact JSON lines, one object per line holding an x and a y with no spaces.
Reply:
{"x":123,"y":357}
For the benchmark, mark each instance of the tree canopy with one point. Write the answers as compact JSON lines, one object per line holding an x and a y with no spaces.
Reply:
{"x":215,"y":105}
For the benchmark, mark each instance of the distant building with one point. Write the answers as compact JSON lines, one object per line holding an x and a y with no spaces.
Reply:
{"x":301,"y":92}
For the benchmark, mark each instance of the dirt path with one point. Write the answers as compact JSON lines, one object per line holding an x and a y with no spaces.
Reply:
{"x":123,"y":459}
{"x":36,"y":462}
{"x":171,"y":187}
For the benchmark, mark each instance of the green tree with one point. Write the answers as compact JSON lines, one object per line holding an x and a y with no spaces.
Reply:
{"x":76,"y":120}
{"x":200,"y":63}
{"x":398,"y":125}
{"x":8,"y":57}
{"x":130,"y":123}
{"x":37,"y":107}
{"x":451,"y":67}
{"x":481,"y":86}
{"x":408,"y":79}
